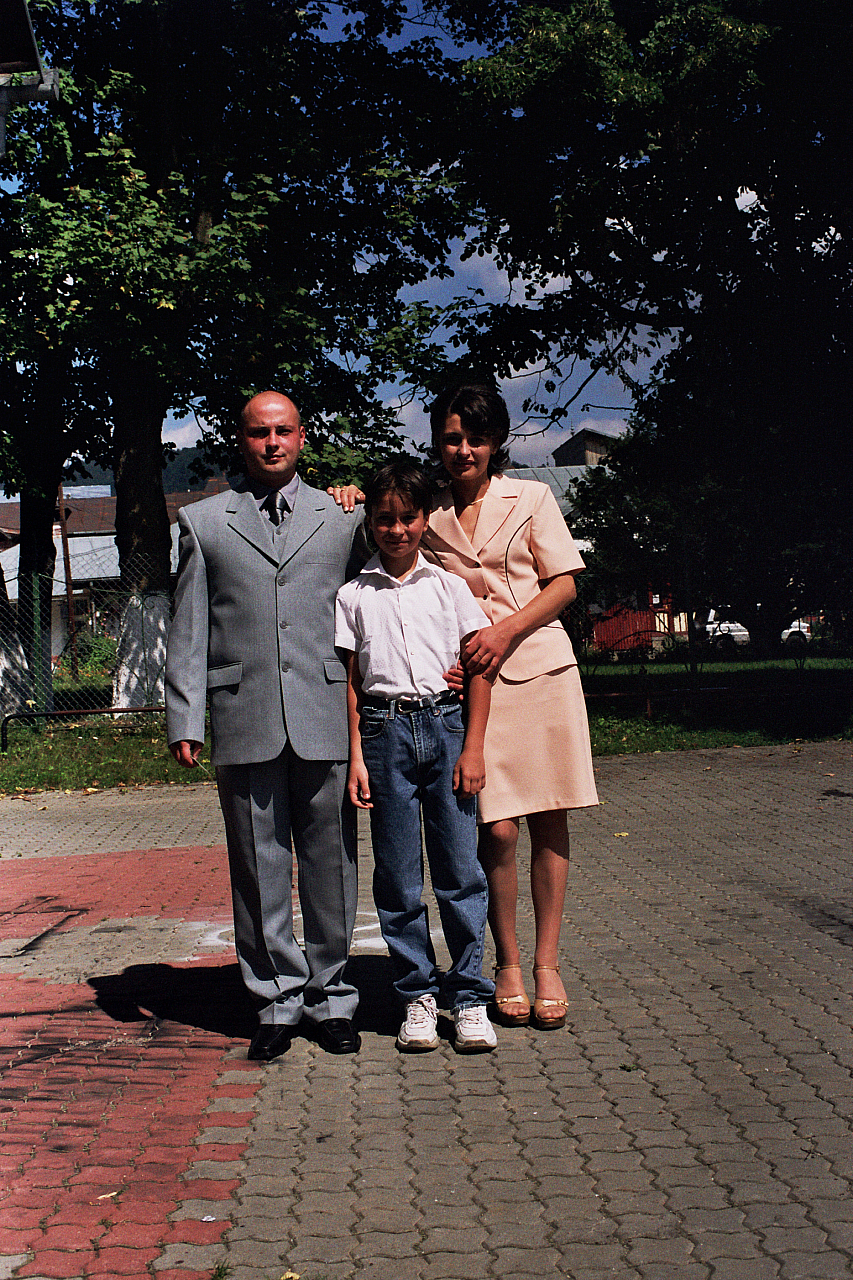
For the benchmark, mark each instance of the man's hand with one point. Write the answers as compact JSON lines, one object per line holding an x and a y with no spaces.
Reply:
{"x":186,"y":753}
{"x":346,"y":495}
{"x":469,"y":775}
{"x":358,"y":785}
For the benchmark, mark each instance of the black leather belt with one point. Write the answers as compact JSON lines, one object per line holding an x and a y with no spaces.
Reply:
{"x":404,"y":705}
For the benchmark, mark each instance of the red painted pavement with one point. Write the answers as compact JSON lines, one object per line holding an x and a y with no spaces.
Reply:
{"x":102,"y":1118}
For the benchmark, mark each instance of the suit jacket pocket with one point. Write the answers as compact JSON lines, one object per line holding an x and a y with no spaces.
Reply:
{"x":219,"y":677}
{"x":334,"y":669}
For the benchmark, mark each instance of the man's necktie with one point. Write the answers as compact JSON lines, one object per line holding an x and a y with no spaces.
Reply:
{"x":276,"y":506}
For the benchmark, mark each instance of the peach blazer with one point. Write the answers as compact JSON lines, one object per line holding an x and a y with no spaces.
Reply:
{"x":521,"y":539}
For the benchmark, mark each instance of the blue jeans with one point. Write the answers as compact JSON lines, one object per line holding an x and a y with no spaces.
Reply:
{"x":410,"y":758}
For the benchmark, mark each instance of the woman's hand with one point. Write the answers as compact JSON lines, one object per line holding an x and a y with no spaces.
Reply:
{"x":346,"y":495}
{"x":454,"y":678}
{"x":485,"y":651}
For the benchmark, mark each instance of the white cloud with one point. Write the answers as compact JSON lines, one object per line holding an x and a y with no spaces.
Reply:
{"x":183,"y":433}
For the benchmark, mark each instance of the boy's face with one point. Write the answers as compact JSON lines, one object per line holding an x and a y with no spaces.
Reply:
{"x":397,"y":527}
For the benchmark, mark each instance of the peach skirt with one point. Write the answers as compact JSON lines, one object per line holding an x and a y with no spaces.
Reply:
{"x":537,"y":748}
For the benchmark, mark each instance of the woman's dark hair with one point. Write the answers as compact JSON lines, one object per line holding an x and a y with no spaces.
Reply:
{"x":481,"y":411}
{"x":405,"y":478}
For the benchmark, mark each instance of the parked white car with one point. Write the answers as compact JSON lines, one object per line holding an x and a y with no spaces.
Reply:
{"x":798,"y":634}
{"x":724,"y":635}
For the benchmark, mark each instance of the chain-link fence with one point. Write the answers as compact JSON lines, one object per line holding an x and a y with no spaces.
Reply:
{"x":81,"y":640}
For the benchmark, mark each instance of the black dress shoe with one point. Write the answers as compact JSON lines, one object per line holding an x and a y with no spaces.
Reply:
{"x":337,"y":1035}
{"x":270,"y":1041}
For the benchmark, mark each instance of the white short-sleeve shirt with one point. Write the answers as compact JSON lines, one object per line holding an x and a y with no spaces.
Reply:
{"x":406,"y":634}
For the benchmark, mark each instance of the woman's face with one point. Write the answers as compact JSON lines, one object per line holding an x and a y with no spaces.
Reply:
{"x":465,"y":456}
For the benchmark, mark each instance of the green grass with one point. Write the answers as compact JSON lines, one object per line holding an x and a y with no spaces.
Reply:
{"x":92,"y":752}
{"x":613,"y":735}
{"x":737,"y":673}
{"x":742,"y":703}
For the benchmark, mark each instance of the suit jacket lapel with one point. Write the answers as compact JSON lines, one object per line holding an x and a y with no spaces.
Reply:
{"x":444,"y":525}
{"x":501,"y":496}
{"x":245,"y":519}
{"x":307,"y":516}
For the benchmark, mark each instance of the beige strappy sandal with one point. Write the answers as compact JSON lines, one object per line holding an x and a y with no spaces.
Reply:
{"x":515,"y":1017}
{"x":540,"y":1018}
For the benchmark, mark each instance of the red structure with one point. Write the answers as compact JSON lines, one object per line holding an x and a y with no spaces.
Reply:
{"x":641,"y":624}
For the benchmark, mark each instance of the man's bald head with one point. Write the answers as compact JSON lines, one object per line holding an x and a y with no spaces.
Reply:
{"x":270,"y":437}
{"x":266,"y":400}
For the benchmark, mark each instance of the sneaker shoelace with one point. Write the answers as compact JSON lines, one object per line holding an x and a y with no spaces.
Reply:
{"x":419,"y":1016}
{"x":472,"y":1018}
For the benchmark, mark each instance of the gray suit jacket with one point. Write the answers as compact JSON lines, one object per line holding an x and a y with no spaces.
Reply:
{"x":254,"y":628}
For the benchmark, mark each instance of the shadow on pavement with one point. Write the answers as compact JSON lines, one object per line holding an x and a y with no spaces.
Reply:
{"x":212,"y":997}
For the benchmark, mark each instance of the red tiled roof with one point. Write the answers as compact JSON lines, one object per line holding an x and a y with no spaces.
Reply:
{"x":98,"y":515}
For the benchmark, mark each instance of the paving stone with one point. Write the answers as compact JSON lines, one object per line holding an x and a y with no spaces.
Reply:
{"x":781,"y":1240}
{"x":739,"y":1269}
{"x":460,"y":1266}
{"x":674,"y":1250}
{"x":810,"y":1266}
{"x":686,"y":955}
{"x":387,"y":1268}
{"x":512,"y":1262}
{"x":189,"y":1257}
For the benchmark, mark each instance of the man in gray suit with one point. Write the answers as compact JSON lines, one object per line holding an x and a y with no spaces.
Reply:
{"x":253,"y":629}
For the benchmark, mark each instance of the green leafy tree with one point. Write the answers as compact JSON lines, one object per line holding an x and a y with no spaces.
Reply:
{"x":666,"y":184}
{"x":204,"y":217}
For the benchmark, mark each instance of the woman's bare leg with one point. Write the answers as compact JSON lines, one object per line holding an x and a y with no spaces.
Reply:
{"x":497,"y":846}
{"x":549,"y":871}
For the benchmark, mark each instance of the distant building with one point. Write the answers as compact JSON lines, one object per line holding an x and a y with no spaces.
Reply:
{"x":584,"y":449}
{"x":89,"y":514}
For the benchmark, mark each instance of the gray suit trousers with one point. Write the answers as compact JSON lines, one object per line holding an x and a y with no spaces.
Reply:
{"x":265,"y":807}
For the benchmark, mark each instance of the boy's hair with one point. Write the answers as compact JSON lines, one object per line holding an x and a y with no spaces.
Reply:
{"x":405,"y":478}
{"x":481,"y":411}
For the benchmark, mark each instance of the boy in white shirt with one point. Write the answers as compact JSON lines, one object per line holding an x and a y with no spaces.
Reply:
{"x":402,"y":622}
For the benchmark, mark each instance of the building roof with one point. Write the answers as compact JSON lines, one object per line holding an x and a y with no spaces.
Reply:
{"x":85,"y":515}
{"x":94,"y":558}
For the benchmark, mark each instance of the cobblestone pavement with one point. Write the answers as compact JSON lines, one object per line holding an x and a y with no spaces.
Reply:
{"x":693,"y":1119}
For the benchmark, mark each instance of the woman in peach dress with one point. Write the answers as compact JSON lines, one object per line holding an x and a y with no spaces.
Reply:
{"x":510,"y":543}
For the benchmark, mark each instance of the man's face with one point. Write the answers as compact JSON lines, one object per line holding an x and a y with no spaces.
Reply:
{"x":270,"y":439}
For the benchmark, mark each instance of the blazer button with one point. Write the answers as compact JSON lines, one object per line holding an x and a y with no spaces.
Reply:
{"x":285,"y":666}
{"x":283,"y":625}
{"x":281,"y":582}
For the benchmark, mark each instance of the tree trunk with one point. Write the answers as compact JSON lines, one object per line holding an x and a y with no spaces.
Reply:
{"x":37,"y":557}
{"x":42,"y":455}
{"x":16,"y":687}
{"x":140,"y":401}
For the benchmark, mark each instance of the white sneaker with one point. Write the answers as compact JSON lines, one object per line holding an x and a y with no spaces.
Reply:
{"x":474,"y":1032}
{"x":418,"y":1033}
